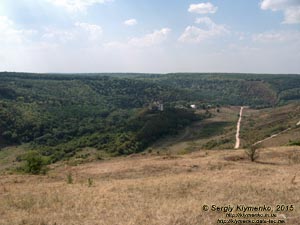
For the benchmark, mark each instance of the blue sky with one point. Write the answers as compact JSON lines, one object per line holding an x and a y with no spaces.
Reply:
{"x":260,"y":36}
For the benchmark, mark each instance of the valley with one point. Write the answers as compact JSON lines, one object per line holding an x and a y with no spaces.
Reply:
{"x":130,"y":149}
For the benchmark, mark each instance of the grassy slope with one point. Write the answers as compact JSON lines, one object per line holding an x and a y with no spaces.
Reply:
{"x":259,"y":124}
{"x":153,"y":189}
{"x":8,"y":157}
{"x":221,"y":126}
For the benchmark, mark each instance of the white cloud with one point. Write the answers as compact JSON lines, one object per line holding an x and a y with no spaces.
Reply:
{"x":155,"y":38}
{"x":203,"y":8}
{"x":130,"y":22}
{"x":58,"y":36}
{"x":79,"y":33}
{"x":10,"y":34}
{"x":149,"y":40}
{"x":272,"y":37}
{"x":290,"y":8}
{"x":206,"y":21}
{"x":5,"y":23}
{"x":77,"y":5}
{"x":196,"y":34}
{"x":94,"y":31}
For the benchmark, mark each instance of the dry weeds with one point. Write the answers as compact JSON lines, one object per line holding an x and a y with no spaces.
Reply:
{"x":152,"y":189}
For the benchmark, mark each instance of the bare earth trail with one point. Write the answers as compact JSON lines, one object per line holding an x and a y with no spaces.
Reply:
{"x":237,"y":136}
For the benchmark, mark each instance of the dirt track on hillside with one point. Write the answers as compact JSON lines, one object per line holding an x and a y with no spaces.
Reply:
{"x":237,"y":136}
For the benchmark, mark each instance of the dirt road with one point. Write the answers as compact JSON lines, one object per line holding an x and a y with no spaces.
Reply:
{"x":237,"y":136}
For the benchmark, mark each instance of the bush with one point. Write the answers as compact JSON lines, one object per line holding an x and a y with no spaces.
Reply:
{"x":34,"y":163}
{"x":69,"y":178}
{"x":90,"y":182}
{"x":252,"y":152}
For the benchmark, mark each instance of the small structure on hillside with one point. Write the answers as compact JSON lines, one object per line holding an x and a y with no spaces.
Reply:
{"x":193,"y":106}
{"x":156,"y":105}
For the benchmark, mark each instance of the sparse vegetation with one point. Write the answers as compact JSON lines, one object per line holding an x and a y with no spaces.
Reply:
{"x":149,"y":189}
{"x":294,"y":157}
{"x":215,"y":143}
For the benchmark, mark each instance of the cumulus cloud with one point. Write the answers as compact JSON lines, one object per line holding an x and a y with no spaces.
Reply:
{"x":197,"y":34}
{"x":77,"y":5}
{"x":10,"y":34}
{"x":203,"y":8}
{"x":290,"y":8}
{"x":130,"y":22}
{"x":155,"y":38}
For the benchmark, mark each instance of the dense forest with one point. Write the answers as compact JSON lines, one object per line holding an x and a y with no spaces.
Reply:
{"x":59,"y":114}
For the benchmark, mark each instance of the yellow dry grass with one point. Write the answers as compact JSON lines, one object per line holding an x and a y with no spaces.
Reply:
{"x":148,"y":190}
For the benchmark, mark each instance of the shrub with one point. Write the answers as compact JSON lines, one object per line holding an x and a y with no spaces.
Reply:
{"x":90,"y":182}
{"x":252,"y":152}
{"x":69,"y":178}
{"x":293,"y":143}
{"x":34,"y":163}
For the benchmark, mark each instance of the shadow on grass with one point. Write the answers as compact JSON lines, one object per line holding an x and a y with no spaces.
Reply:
{"x":270,"y":163}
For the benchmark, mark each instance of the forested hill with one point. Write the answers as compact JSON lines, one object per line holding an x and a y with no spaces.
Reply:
{"x":62,"y":113}
{"x":256,"y":90}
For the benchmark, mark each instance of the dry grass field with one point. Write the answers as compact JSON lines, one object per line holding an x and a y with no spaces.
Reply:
{"x":153,"y":189}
